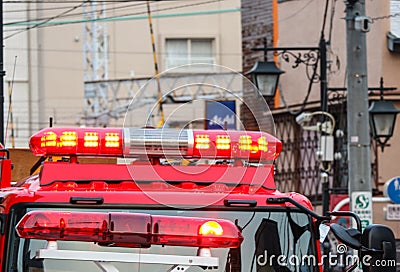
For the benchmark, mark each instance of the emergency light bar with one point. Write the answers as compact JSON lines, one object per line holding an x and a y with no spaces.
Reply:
{"x":136,"y":142}
{"x":129,"y":229}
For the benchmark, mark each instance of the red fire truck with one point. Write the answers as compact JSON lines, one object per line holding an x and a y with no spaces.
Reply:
{"x":178,"y":200}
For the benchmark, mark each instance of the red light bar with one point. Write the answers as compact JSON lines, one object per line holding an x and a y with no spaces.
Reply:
{"x":184,"y":231}
{"x":129,"y":229}
{"x":77,"y":141}
{"x":131,"y":142}
{"x":227,"y":144}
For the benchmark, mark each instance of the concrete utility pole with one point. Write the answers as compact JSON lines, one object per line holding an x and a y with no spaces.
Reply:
{"x":359,"y":158}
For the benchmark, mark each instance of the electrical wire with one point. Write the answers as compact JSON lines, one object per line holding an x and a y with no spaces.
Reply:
{"x":156,"y":71}
{"x":120,"y":52}
{"x":333,"y":10}
{"x":322,"y":164}
{"x":385,"y":17}
{"x":326,"y":86}
{"x":296,"y":13}
{"x":45,"y":23}
{"x":248,"y":222}
{"x":9,"y":115}
{"x":67,"y":13}
{"x":314,"y":71}
{"x":6,"y":11}
{"x":325,"y":17}
{"x":342,"y":111}
{"x":144,"y":12}
{"x":128,"y":17}
{"x":72,"y":14}
{"x":49,"y":19}
{"x":121,"y":18}
{"x":304,"y":103}
{"x":329,"y":43}
{"x":63,"y":2}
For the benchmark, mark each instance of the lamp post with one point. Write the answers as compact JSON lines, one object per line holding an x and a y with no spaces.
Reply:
{"x":265,"y":75}
{"x":382,"y":119}
{"x":311,"y":58}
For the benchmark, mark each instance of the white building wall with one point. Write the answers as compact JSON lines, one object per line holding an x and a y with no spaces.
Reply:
{"x":49,"y":70}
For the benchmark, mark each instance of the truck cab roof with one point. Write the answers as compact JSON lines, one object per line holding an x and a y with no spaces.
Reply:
{"x":241,"y":172}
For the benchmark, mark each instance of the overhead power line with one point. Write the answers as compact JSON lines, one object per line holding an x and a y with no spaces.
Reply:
{"x":78,"y":14}
{"x":9,"y":11}
{"x":144,"y":12}
{"x":46,"y":21}
{"x":120,"y":52}
{"x":296,"y":12}
{"x":64,"y":2}
{"x":124,"y":18}
{"x":385,"y":17}
{"x":131,"y":16}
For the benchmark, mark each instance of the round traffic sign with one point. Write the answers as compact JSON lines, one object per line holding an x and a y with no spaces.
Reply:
{"x":393,"y":189}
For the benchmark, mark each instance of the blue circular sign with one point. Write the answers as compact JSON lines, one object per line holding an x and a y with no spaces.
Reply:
{"x":393,"y":190}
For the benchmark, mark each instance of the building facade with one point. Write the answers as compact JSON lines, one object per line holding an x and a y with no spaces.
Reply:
{"x":308,"y":17}
{"x":48,"y":45}
{"x":46,"y":59}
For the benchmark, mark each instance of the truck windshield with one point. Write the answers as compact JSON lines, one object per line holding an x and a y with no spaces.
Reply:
{"x":280,"y":240}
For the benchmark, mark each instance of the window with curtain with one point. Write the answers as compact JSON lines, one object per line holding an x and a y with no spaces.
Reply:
{"x":188,"y":51}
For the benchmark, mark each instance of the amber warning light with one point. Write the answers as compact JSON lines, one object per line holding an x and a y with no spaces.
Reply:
{"x":136,"y":142}
{"x":129,"y":229}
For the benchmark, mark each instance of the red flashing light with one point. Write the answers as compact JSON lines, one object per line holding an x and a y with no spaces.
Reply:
{"x":184,"y":231}
{"x":211,"y":227}
{"x":130,"y":142}
{"x":129,"y":229}
{"x":202,"y":141}
{"x":77,"y":141}
{"x":248,"y":145}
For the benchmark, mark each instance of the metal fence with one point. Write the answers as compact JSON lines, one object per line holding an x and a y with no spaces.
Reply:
{"x":297,"y":167}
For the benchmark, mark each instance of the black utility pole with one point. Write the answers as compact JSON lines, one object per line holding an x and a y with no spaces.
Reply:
{"x":2,"y":74}
{"x":323,"y":77}
{"x":324,"y":107}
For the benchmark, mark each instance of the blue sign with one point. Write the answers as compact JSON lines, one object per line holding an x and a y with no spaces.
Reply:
{"x":220,"y":115}
{"x":393,"y":190}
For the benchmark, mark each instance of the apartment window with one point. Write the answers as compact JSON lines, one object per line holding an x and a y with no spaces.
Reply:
{"x":393,"y":37}
{"x":395,"y":20}
{"x":188,"y":51}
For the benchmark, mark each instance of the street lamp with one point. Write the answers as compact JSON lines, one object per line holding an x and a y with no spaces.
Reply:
{"x":311,"y":58}
{"x":265,"y":75}
{"x":382,"y":119}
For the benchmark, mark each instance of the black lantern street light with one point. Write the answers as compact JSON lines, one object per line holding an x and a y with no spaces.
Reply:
{"x":382,"y":119}
{"x":311,"y":58}
{"x":265,"y":75}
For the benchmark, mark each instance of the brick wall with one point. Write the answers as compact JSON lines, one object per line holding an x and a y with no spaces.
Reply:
{"x":256,"y":26}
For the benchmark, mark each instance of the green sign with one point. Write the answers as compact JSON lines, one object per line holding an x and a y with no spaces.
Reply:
{"x":361,"y":204}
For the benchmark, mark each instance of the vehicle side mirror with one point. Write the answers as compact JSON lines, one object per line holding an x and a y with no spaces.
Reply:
{"x":377,"y":246}
{"x":380,"y":253}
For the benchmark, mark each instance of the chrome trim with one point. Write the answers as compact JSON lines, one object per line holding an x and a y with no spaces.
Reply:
{"x":156,"y":142}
